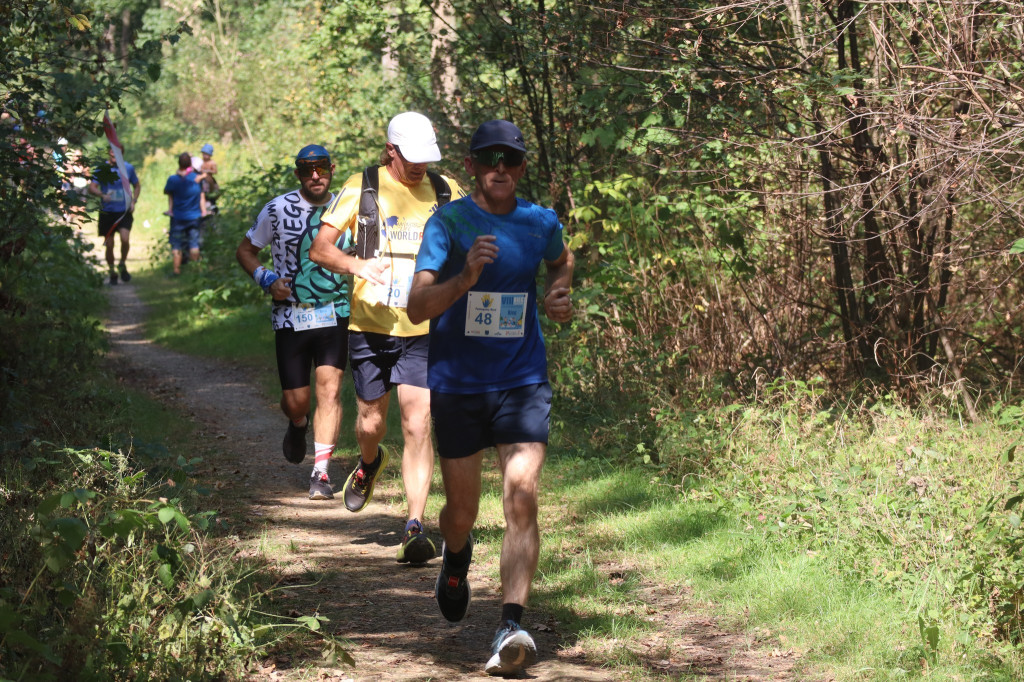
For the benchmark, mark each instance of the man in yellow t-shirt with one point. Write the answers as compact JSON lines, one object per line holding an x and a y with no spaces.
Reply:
{"x":385,"y":348}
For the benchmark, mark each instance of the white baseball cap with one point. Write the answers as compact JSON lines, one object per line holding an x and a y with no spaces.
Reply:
{"x":414,"y":136}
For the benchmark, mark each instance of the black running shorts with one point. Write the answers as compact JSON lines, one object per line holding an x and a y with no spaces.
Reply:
{"x":107,"y":220}
{"x":299,"y":352}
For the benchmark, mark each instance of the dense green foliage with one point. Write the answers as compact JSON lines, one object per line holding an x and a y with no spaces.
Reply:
{"x":779,"y":208}
{"x":103,"y":571}
{"x":106,"y":572}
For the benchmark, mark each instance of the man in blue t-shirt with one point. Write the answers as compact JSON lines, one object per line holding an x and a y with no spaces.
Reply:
{"x":115,"y":210}
{"x":186,"y":204}
{"x":487,"y":369}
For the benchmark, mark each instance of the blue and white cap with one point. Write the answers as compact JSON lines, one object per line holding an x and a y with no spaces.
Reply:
{"x":312,"y":153}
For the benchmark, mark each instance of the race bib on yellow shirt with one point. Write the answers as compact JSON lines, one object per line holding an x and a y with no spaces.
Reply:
{"x":396,"y":293}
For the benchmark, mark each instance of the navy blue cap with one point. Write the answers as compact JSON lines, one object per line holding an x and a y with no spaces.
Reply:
{"x":497,"y":133}
{"x":311,"y":153}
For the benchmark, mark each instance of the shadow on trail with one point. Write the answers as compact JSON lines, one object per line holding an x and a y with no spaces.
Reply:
{"x":328,"y":561}
{"x":342,"y":566}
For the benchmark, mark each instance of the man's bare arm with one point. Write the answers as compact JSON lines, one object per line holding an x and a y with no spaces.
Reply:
{"x":428,"y":298}
{"x":247,"y":255}
{"x":558,"y":284}
{"x":326,"y":254}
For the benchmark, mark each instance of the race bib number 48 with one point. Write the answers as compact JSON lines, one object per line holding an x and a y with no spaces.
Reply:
{"x":495,"y":314}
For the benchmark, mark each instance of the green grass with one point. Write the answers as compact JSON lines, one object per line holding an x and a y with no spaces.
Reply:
{"x":815,"y":535}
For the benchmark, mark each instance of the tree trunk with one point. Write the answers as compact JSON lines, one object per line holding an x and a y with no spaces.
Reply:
{"x":443,"y":75}
{"x":389,"y":58}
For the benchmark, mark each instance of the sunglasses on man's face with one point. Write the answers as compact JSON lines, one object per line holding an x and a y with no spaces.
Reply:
{"x":512,"y":158}
{"x":307,"y":171}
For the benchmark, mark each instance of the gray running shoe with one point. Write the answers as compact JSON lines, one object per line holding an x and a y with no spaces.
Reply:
{"x":512,"y":651}
{"x":452,"y":589}
{"x":320,"y":487}
{"x":359,"y":485}
{"x":294,"y":444}
{"x":416,"y":547}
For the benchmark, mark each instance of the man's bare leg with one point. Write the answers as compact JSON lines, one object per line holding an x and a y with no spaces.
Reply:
{"x":521,"y":464}
{"x":418,"y":451}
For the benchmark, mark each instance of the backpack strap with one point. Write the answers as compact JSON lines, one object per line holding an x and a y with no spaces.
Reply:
{"x":441,"y":189}
{"x":368,"y":220}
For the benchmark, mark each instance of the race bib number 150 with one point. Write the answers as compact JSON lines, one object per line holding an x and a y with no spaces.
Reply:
{"x":307,"y":316}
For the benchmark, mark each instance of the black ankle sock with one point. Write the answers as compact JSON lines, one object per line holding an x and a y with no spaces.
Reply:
{"x":460,"y":559}
{"x":372,"y":467}
{"x":512,"y":612}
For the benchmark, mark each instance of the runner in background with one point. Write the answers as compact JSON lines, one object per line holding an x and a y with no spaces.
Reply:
{"x":116,"y":210}
{"x":186,"y":205}
{"x":208,"y":169}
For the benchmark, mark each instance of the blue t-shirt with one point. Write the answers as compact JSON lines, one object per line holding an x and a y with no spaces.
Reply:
{"x":185,"y":193}
{"x":109,"y":180}
{"x":468,"y":353}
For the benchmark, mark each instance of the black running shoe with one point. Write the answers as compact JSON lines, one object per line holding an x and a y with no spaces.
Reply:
{"x":113,"y":277}
{"x":359,"y":485}
{"x":512,"y":651}
{"x":294,"y":445}
{"x":416,"y":547}
{"x":452,"y":590}
{"x":320,"y":487}
{"x":125,"y":277}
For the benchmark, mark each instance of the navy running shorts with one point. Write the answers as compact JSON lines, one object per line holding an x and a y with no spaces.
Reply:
{"x":380,"y":361}
{"x":298,"y":352}
{"x":184,"y":234}
{"x":107,"y":220}
{"x":466,"y":424}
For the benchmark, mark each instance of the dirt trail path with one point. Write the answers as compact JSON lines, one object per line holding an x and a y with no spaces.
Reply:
{"x":386,"y":610}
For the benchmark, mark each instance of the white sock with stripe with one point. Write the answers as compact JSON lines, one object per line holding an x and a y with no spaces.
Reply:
{"x":323,"y":456}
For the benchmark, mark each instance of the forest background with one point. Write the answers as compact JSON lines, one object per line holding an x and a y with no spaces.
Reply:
{"x":799,"y":246}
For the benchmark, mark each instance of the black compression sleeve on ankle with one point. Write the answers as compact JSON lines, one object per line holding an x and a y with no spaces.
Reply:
{"x":512,"y":612}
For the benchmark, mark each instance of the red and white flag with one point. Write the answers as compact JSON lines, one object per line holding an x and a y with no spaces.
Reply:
{"x":122,"y":171}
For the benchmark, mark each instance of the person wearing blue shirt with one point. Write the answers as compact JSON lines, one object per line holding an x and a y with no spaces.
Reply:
{"x":186,"y":204}
{"x":116,"y":211}
{"x":475,"y":281}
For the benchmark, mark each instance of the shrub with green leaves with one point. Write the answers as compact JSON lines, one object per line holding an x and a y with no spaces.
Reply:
{"x":137,"y":595}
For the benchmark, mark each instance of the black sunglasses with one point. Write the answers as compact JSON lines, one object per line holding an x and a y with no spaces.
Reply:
{"x":512,"y":158}
{"x":307,"y":171}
